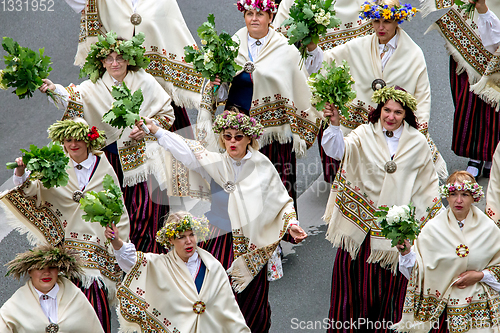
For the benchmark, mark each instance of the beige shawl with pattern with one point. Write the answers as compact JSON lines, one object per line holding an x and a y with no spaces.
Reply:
{"x":362,"y":185}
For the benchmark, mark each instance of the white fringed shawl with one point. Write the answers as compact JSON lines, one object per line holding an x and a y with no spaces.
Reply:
{"x":406,"y":68}
{"x":463,"y":42}
{"x":259,"y":208}
{"x":51,"y":216}
{"x":22,"y":312}
{"x":158,"y":295}
{"x":362,"y":185}
{"x":431,"y":290}
{"x":281,"y":97}
{"x":166,"y":36}
{"x":493,"y":193}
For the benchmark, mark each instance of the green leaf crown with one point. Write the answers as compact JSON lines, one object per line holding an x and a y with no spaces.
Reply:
{"x":385,"y":94}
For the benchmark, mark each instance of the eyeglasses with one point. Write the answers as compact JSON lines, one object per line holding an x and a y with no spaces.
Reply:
{"x":237,"y":137}
{"x":110,"y":60}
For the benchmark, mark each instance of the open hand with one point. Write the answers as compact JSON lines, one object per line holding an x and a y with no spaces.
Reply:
{"x":297,"y":233}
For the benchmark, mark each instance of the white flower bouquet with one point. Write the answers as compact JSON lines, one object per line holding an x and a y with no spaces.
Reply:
{"x":398,"y":223}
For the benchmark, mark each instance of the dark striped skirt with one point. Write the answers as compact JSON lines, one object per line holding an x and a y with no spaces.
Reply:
{"x":285,"y":162}
{"x":476,"y":126}
{"x":330,"y":166}
{"x":182,"y":124}
{"x":365,"y":297}
{"x":98,"y":298}
{"x":254,"y":300}
{"x":146,"y":210}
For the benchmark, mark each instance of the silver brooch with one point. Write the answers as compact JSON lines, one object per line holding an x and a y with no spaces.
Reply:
{"x":52,"y":328}
{"x":135,"y":19}
{"x":229,"y":187}
{"x":378,"y":84}
{"x":391,"y":167}
{"x":77,"y":195}
{"x":249,"y":67}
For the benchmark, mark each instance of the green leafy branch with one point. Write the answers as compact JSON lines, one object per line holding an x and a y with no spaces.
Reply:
{"x":126,"y":107}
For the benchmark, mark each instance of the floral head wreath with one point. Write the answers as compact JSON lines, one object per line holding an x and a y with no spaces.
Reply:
{"x":64,"y":129}
{"x":264,"y":5}
{"x":376,"y":11}
{"x":174,"y":229}
{"x":131,"y":50}
{"x":385,"y":94}
{"x":474,"y":188}
{"x":67,"y":261}
{"x":238,"y":121}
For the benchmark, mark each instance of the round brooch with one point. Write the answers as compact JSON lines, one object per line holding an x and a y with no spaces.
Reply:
{"x":378,"y":84}
{"x":77,"y":195}
{"x":52,"y":328}
{"x":249,"y":67}
{"x":391,"y":167}
{"x":229,"y":187}
{"x":135,"y":19}
{"x":199,"y":307}
{"x":462,"y":251}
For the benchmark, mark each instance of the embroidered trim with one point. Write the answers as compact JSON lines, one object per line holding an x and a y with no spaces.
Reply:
{"x":330,"y":40}
{"x":133,"y":155}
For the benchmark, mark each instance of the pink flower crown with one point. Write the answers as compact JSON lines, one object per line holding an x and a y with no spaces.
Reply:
{"x":475,"y":189}
{"x":264,"y":5}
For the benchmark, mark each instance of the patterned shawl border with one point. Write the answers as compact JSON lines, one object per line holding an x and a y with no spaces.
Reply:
{"x":335,"y":38}
{"x":43,"y":218}
{"x":134,"y":309}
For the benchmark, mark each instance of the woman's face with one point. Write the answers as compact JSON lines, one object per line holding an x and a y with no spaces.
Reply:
{"x":44,"y":279}
{"x":77,"y":149}
{"x":392,"y":115}
{"x":257,"y":23}
{"x":185,"y":244}
{"x":116,"y":66}
{"x":460,"y":203}
{"x":236,"y":143}
{"x":385,"y":29}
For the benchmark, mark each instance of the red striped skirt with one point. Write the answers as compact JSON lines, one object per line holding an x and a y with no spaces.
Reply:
{"x":476,"y":125}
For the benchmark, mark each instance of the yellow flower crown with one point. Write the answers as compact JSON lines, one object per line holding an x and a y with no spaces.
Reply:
{"x":174,"y":229}
{"x":374,"y":11}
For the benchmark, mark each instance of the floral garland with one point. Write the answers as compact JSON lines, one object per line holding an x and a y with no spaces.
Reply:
{"x":474,"y":188}
{"x":174,"y":229}
{"x":374,"y":11}
{"x":385,"y":94}
{"x":264,"y":5}
{"x":64,"y":129}
{"x":131,"y":50}
{"x":238,"y":121}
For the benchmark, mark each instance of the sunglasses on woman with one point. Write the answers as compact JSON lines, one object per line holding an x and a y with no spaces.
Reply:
{"x":237,"y":137}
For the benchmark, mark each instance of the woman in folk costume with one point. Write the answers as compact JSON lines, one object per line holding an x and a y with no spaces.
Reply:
{"x":186,"y":290}
{"x":454,"y":267}
{"x":133,"y":154}
{"x":388,"y":57}
{"x":166,"y":33}
{"x":271,"y":88}
{"x":251,"y":210}
{"x":48,"y":302}
{"x":474,"y":77}
{"x":54,"y":216}
{"x":385,"y":162}
{"x":352,"y":26}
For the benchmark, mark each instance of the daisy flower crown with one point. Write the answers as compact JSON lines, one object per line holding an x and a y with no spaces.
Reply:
{"x":172,"y":230}
{"x":387,"y":93}
{"x":64,"y":129}
{"x":238,"y":121}
{"x":374,"y":11}
{"x":474,"y":188}
{"x":264,"y":5}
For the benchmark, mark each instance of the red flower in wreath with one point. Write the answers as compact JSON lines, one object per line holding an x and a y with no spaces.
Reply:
{"x":93,"y":134}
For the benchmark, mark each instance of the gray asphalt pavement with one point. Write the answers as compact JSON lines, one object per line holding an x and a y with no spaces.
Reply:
{"x":304,"y":291}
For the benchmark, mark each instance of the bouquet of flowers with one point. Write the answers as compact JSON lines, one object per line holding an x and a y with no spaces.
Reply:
{"x":217,"y":53}
{"x":48,"y":164}
{"x":309,"y":19}
{"x":104,"y":206}
{"x":126,"y":107}
{"x":398,"y":223}
{"x":25,"y":70}
{"x":467,"y":7}
{"x":334,"y":87}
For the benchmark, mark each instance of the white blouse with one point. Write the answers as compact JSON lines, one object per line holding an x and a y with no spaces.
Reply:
{"x":489,"y":30}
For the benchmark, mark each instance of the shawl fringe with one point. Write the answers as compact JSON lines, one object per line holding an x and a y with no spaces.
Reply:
{"x":426,"y":8}
{"x":155,"y":167}
{"x":18,"y":226}
{"x":344,"y":242}
{"x":487,"y":92}
{"x":283,"y":135}
{"x":386,"y":259}
{"x":91,"y":276}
